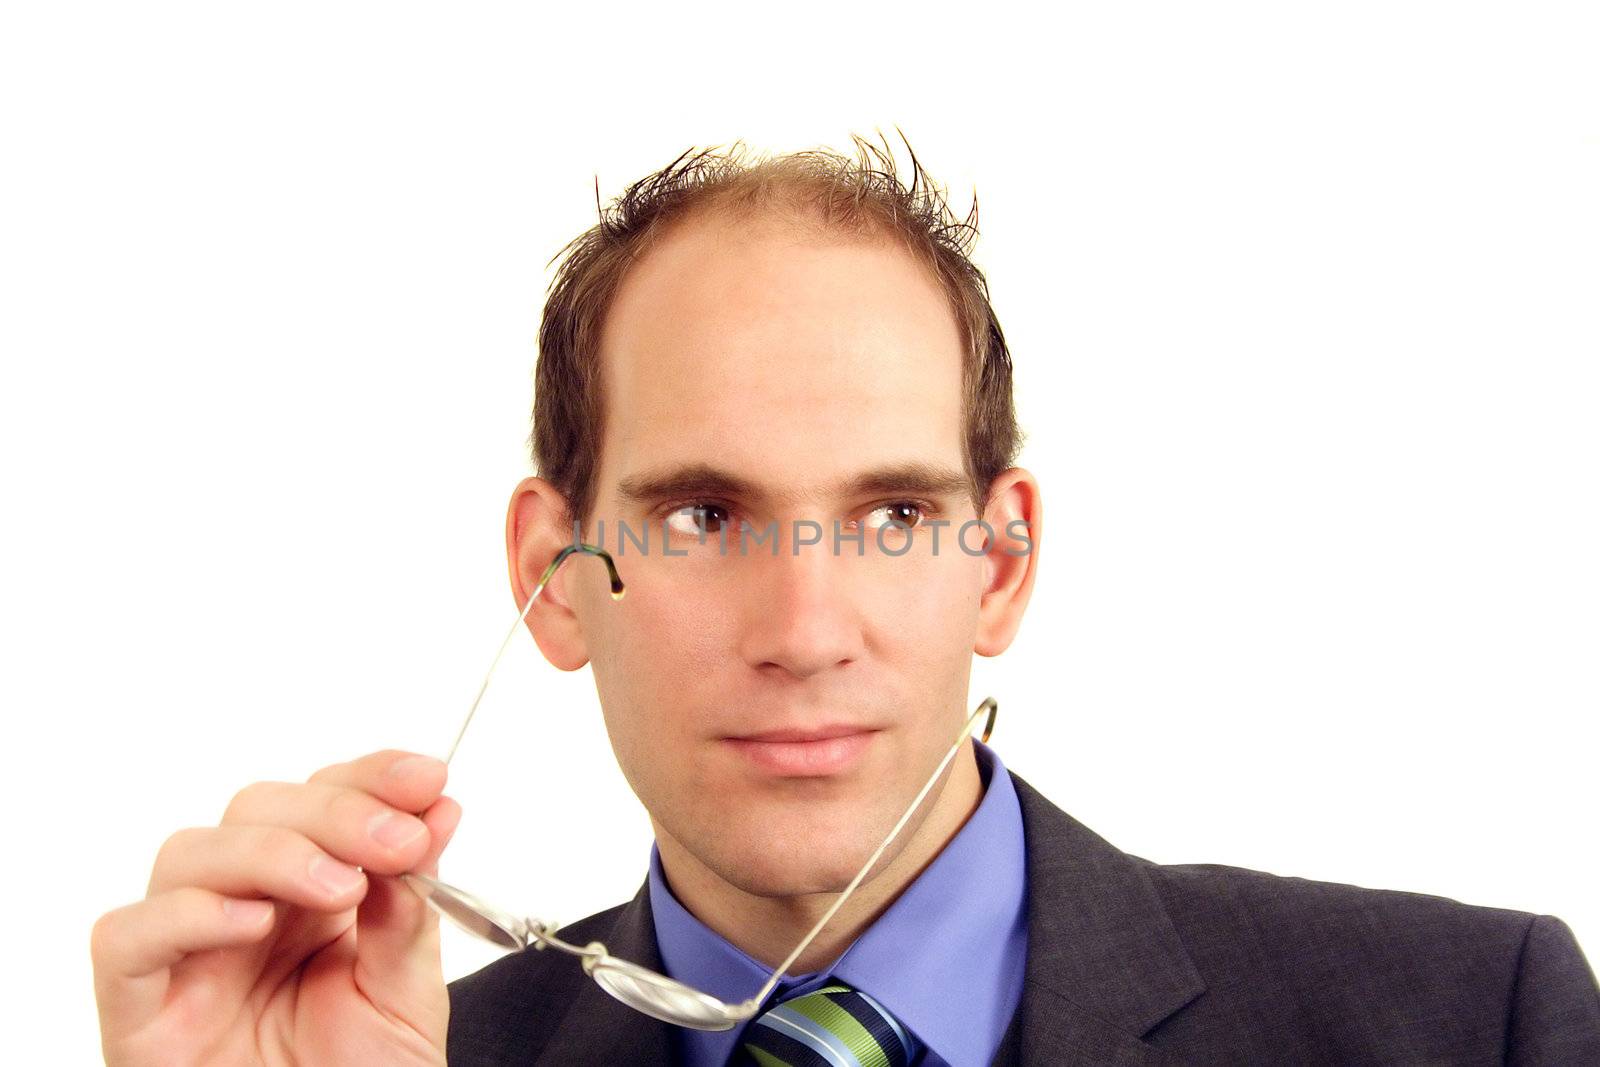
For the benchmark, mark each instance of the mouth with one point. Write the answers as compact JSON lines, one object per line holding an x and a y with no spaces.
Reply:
{"x":805,"y":753}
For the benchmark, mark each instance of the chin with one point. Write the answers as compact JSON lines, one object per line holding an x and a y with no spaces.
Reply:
{"x":812,"y":840}
{"x":789,"y":877}
{"x":797,"y":865}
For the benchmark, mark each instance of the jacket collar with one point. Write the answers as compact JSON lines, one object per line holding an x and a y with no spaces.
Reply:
{"x":597,"y":1027}
{"x":1105,"y":963}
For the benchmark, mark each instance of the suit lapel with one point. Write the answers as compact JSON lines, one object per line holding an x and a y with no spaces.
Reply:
{"x":598,"y":1028}
{"x":1105,"y":964}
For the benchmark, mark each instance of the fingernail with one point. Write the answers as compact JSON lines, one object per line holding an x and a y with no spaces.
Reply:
{"x":335,"y":877}
{"x":247,"y":912}
{"x":404,"y":768}
{"x":392,"y":830}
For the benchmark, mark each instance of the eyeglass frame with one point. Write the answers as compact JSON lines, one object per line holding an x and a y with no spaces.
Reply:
{"x":639,"y":987}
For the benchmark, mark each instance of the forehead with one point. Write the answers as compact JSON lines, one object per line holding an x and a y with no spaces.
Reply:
{"x":784,"y":356}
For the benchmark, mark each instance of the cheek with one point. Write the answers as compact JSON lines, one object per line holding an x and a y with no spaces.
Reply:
{"x":930,"y":601}
{"x":928,"y":644}
{"x":658,"y":666}
{"x":656,"y":650}
{"x":674,"y":633}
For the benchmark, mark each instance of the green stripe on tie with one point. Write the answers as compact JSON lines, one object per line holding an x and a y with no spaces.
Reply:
{"x":841,"y":1024}
{"x":833,"y":1026}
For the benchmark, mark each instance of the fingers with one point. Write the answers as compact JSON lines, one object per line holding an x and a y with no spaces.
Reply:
{"x":258,"y":861}
{"x":133,"y":947}
{"x":403,"y":780}
{"x":352,"y":825}
{"x":295,"y":844}
{"x":301,"y":843}
{"x":155,"y":933}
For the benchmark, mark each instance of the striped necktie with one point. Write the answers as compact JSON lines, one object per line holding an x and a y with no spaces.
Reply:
{"x":834,"y":1026}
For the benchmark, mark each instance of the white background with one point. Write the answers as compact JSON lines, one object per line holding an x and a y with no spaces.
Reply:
{"x":1303,"y":306}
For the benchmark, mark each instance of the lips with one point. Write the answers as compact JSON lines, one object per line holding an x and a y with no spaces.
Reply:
{"x":806,"y":753}
{"x":815,"y":733}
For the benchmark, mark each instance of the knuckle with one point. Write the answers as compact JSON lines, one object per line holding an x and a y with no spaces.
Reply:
{"x":323,"y":774}
{"x":245,"y":800}
{"x":175,"y":846}
{"x":103,"y":934}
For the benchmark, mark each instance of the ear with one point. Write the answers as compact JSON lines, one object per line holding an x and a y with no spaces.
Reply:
{"x":1016,"y":513}
{"x":536,"y":529}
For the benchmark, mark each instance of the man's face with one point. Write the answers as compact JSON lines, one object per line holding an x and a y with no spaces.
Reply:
{"x":806,"y":372}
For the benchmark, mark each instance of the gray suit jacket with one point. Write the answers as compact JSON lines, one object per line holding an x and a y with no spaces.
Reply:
{"x":1136,"y":963}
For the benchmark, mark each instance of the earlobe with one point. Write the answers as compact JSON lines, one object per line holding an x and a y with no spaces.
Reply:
{"x":1015,"y":511}
{"x":534,"y":535}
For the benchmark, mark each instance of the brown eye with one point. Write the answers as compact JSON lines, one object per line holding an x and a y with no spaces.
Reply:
{"x":907,"y":513}
{"x":698,"y":520}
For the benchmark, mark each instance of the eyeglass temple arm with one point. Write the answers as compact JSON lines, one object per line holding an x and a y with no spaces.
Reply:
{"x":761,"y":995}
{"x":617,"y":589}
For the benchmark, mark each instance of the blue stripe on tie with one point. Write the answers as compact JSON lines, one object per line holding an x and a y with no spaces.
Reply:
{"x":873,"y":1022}
{"x":786,"y":1020}
{"x":905,"y":1040}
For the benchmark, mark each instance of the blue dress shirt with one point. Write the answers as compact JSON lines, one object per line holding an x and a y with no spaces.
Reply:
{"x":946,"y":958}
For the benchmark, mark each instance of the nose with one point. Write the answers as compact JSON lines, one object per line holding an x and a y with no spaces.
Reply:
{"x":801,"y":618}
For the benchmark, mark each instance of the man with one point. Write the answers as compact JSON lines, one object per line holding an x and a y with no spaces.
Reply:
{"x":801,"y":351}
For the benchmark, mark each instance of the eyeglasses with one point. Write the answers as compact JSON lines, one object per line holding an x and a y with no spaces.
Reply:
{"x":639,"y":987}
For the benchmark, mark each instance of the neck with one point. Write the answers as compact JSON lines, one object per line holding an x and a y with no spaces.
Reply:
{"x":768,"y":928}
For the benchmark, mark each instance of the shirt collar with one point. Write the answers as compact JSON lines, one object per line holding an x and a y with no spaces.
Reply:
{"x":946,"y":958}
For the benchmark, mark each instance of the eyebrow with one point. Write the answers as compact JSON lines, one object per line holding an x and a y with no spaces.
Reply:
{"x":702,"y":479}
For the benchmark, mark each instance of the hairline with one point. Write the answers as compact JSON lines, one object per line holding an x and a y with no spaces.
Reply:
{"x":720,"y":208}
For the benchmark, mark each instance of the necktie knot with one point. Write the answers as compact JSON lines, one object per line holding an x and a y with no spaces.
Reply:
{"x":834,"y":1026}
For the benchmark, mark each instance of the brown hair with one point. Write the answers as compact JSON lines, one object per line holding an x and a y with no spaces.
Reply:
{"x":860,"y":197}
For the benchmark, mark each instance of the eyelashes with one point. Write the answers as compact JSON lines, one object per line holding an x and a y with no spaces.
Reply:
{"x":692,"y":518}
{"x":695,"y":519}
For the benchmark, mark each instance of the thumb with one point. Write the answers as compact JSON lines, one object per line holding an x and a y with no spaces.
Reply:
{"x":397,"y":938}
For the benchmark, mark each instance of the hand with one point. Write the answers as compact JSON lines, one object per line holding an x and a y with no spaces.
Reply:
{"x":258,"y":941}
